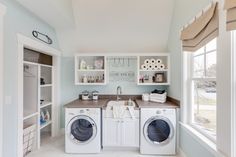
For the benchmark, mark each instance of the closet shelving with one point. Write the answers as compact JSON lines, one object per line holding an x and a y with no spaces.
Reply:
{"x":38,"y":100}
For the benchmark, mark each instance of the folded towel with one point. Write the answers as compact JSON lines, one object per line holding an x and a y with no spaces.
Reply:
{"x":158,"y":96}
{"x":158,"y":100}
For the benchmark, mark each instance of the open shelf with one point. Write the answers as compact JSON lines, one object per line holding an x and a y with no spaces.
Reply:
{"x":46,"y":85}
{"x":154,"y":70}
{"x":38,"y":85}
{"x":90,"y":70}
{"x":45,"y":104}
{"x":45,"y":124}
{"x":30,"y":115}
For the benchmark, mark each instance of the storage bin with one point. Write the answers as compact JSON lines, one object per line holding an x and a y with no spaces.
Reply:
{"x":28,"y":139}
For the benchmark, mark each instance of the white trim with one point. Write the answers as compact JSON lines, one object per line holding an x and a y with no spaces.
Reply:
{"x":233,"y":95}
{"x":26,"y":42}
{"x":204,"y":141}
{"x":2,"y":13}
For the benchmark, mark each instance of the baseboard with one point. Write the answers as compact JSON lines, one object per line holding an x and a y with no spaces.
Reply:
{"x":181,"y":153}
{"x":120,"y":149}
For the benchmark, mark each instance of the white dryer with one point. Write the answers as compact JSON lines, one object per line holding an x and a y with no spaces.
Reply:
{"x":82,"y":130}
{"x":158,"y":131}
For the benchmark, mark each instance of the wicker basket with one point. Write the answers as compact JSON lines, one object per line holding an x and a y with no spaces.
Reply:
{"x":28,"y":139}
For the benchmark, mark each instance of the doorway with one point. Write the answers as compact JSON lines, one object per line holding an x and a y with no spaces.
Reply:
{"x":33,"y":72}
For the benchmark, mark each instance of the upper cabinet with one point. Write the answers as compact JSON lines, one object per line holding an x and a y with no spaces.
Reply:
{"x":90,"y":70}
{"x":154,"y":69}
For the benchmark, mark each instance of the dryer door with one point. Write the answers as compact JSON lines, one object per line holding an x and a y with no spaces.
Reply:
{"x":82,"y":129}
{"x":158,"y":130}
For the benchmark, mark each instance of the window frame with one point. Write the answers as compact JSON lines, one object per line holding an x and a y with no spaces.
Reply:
{"x":233,"y":90}
{"x":190,"y":86}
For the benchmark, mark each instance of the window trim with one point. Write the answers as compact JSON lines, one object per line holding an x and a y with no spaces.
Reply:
{"x":3,"y":10}
{"x":187,"y":92}
{"x":233,"y":93}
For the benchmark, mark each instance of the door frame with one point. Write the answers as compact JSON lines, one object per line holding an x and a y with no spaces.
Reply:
{"x":2,"y":13}
{"x":26,"y":42}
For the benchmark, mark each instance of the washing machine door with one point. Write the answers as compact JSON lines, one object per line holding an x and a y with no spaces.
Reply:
{"x":82,"y":129}
{"x":158,"y":130}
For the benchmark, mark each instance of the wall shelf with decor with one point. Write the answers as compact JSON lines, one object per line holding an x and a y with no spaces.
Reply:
{"x":154,"y":69}
{"x":90,"y":70}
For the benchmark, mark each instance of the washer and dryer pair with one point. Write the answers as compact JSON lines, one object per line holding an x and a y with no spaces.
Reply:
{"x":157,"y":131}
{"x":83,"y":130}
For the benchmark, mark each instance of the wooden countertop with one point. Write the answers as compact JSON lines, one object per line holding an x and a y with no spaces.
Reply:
{"x":148,"y":104}
{"x":101,"y":103}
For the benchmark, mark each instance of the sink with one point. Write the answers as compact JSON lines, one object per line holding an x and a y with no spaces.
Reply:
{"x":120,"y":102}
{"x":109,"y":112}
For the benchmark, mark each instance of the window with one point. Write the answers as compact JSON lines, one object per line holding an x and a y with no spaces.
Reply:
{"x":203,"y":87}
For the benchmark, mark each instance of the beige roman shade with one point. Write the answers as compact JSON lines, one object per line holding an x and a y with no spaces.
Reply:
{"x":230,"y":6}
{"x":202,"y":30}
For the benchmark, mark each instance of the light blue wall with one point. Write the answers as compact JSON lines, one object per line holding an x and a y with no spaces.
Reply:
{"x":69,"y":91}
{"x":184,"y":11}
{"x":17,"y":20}
{"x":191,"y":147}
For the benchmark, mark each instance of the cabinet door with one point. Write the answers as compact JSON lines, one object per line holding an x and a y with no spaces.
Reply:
{"x":111,"y":132}
{"x":130,"y":132}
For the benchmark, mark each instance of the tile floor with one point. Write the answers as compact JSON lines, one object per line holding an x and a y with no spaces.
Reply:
{"x":55,"y":148}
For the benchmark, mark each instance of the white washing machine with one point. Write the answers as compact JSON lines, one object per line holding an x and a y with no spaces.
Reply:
{"x":158,"y":131}
{"x":82,"y":130}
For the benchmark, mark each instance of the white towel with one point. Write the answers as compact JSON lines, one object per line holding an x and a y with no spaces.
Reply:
{"x":119,"y":111}
{"x":108,"y":108}
{"x":131,"y":111}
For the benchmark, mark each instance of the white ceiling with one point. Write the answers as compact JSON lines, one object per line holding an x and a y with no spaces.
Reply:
{"x":107,"y":25}
{"x":57,"y":13}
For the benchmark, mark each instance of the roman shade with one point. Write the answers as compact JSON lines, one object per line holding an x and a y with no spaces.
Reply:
{"x":202,"y":30}
{"x":230,"y":6}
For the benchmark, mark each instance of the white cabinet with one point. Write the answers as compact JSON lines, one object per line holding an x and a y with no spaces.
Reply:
{"x":111,"y":132}
{"x":120,"y":133}
{"x":130,"y":132}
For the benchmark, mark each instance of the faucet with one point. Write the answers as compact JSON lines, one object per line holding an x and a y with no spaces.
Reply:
{"x":118,"y":92}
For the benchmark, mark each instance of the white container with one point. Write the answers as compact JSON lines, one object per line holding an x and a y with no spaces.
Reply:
{"x":145,"y":97}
